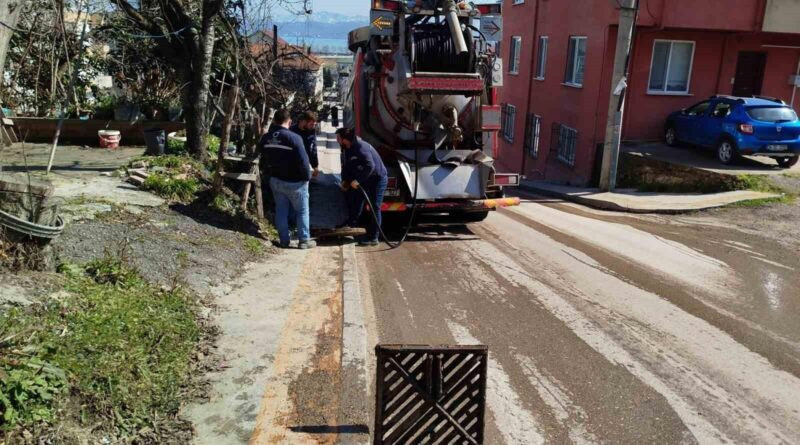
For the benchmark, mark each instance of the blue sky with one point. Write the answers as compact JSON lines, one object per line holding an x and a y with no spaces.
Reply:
{"x":348,"y":7}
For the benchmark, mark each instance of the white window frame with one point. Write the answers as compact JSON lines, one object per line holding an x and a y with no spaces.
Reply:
{"x":669,"y":62}
{"x":515,"y":51}
{"x":518,"y":2}
{"x":541,"y":58}
{"x":509,"y":119}
{"x":575,"y":61}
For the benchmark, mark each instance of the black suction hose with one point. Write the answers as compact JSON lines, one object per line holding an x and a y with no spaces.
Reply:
{"x":395,"y":245}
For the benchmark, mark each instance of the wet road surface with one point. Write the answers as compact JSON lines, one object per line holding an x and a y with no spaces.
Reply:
{"x":605,"y":327}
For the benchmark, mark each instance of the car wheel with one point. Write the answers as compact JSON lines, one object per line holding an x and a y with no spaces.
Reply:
{"x":726,"y":151}
{"x":671,"y":136}
{"x":788,"y":162}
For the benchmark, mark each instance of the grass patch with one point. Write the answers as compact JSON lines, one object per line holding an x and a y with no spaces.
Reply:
{"x":170,"y":161}
{"x":783,"y":199}
{"x":116,"y":350}
{"x":172,"y":187}
{"x":224,"y":204}
{"x":759,"y":183}
{"x":253,"y":245}
{"x":176,"y":147}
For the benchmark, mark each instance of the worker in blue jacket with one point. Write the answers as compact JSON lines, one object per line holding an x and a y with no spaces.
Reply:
{"x":289,"y":170}
{"x":306,"y":129}
{"x":363,"y":167}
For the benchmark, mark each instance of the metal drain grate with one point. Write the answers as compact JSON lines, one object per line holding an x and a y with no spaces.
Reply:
{"x":430,"y":395}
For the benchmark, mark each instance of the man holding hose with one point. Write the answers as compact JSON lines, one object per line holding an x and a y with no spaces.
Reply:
{"x":362,"y":168}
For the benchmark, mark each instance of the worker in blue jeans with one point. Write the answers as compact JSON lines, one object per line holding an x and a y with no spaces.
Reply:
{"x":364,"y":168}
{"x":289,"y":171}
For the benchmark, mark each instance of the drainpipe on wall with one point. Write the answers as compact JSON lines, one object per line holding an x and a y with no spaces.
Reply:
{"x":530,"y":83}
{"x":794,"y":88}
{"x":721,"y":62}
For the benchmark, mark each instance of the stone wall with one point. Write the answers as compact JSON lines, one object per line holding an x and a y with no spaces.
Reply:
{"x":32,"y":201}
{"x":84,"y":132}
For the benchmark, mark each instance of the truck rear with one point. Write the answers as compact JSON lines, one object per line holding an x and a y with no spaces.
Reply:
{"x":423,"y":92}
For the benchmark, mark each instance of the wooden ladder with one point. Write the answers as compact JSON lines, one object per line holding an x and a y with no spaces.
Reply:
{"x":253,"y":177}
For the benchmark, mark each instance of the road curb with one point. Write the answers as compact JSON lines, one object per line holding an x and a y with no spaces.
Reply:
{"x":604,"y":204}
{"x":354,"y":401}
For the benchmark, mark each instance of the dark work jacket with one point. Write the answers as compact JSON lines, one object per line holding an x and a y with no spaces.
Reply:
{"x":310,"y":142}
{"x":284,"y":155}
{"x":362,"y":163}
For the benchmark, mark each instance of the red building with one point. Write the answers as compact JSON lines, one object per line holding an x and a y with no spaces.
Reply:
{"x":559,"y":56}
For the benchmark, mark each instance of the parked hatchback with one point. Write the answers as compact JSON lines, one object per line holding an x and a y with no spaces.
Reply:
{"x":736,"y":126}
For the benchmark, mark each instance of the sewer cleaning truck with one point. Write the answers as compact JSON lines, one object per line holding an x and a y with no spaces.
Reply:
{"x":423,"y":92}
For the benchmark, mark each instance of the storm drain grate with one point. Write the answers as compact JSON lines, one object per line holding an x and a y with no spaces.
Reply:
{"x":430,"y":395}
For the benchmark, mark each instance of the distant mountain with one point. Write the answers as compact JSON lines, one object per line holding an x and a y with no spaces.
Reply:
{"x":327,"y":25}
{"x":333,"y":17}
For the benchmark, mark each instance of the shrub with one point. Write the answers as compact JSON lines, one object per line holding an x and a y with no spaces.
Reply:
{"x":116,"y":347}
{"x":174,"y":188}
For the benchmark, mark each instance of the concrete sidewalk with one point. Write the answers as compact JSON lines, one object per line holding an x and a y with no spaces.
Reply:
{"x":627,"y":200}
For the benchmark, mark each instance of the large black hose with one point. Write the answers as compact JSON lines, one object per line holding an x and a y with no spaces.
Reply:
{"x":434,"y":51}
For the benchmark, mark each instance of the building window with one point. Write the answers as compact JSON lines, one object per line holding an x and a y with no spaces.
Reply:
{"x":576,"y":61}
{"x":516,"y":44}
{"x":518,"y":2}
{"x":508,"y":115}
{"x":671,"y":67}
{"x":566,"y":142}
{"x":533,"y":131}
{"x":541,"y":58}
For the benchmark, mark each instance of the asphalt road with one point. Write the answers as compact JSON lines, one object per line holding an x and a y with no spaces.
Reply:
{"x":605,"y":327}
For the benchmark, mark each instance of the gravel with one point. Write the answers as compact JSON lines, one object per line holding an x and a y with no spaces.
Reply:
{"x":189,"y":245}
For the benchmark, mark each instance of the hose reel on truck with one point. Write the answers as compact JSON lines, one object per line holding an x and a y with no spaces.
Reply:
{"x":417,"y":94}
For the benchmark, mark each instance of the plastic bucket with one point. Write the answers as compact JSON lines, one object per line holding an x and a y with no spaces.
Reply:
{"x":109,"y":138}
{"x":156,"y":140}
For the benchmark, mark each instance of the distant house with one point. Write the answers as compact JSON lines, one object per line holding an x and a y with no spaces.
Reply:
{"x":297,"y":67}
{"x":559,"y":55}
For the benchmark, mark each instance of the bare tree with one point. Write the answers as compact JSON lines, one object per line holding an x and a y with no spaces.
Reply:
{"x":9,"y":14}
{"x":185,"y":33}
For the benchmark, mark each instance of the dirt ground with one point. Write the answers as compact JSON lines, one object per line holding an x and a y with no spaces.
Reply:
{"x":181,"y":244}
{"x":776,"y":221}
{"x":191,"y":244}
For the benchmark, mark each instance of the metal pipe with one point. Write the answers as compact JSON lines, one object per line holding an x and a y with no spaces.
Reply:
{"x":451,"y":14}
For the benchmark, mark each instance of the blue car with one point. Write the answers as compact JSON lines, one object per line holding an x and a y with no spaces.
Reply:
{"x":736,"y":126}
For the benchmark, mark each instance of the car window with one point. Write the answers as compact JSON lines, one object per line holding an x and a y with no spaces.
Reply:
{"x":698,"y":109}
{"x":721,"y":109}
{"x":772,"y":114}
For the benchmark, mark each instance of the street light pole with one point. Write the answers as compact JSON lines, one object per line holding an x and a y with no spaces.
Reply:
{"x":616,"y":101}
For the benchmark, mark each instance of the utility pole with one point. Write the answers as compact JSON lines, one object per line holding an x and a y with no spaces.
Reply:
{"x":616,"y":102}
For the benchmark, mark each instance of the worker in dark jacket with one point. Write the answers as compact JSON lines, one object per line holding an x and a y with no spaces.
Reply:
{"x":363,"y":167}
{"x":306,"y":129}
{"x":289,"y":170}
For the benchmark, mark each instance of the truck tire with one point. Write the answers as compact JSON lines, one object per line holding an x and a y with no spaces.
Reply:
{"x":788,"y":162}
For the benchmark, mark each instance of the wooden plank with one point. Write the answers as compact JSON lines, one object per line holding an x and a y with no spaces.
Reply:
{"x":259,"y":196}
{"x":244,"y":177}
{"x":232,"y":158}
